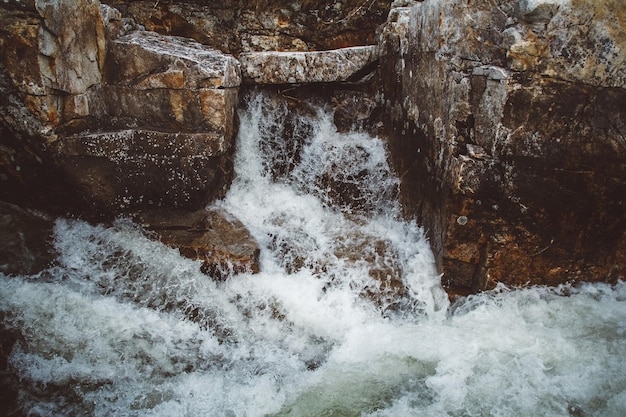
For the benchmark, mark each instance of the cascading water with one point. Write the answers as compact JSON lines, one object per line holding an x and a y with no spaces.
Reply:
{"x":346,"y":317}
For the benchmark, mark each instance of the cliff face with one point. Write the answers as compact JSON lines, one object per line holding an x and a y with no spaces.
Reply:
{"x":236,"y":26}
{"x":507,"y":126}
{"x":506,"y":120}
{"x":98,"y":118}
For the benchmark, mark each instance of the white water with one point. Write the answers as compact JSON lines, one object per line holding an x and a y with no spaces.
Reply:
{"x":124,"y":326}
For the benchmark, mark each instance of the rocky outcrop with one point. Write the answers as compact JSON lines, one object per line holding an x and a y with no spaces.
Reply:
{"x":236,"y":26}
{"x":109,"y":117}
{"x":507,"y":126}
{"x":215,"y":237}
{"x":101,"y":118}
{"x":307,"y":67}
{"x":506,"y":121}
{"x":165,"y":124}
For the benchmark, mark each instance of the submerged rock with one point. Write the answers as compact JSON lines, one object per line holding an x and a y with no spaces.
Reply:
{"x":215,"y":237}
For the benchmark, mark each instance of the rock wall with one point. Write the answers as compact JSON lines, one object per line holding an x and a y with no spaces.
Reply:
{"x":100,"y":118}
{"x":236,"y":26}
{"x":507,"y":122}
{"x":506,"y":118}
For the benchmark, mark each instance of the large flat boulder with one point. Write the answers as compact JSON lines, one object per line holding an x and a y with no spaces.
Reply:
{"x":306,"y":67}
{"x":147,"y":60}
{"x":213,"y":236}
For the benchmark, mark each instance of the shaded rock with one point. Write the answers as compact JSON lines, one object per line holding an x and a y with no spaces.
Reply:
{"x":115,"y":171}
{"x":25,"y":241}
{"x":236,"y":26}
{"x":9,"y":380}
{"x":305,"y":67}
{"x":353,"y":110}
{"x":215,"y":237}
{"x":506,"y":126}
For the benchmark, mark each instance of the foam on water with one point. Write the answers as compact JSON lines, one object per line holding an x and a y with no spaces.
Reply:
{"x":346,"y":317}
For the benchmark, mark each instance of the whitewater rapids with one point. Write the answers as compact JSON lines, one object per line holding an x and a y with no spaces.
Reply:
{"x":122,"y":325}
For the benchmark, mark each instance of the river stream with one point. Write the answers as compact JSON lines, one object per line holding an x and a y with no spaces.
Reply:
{"x":346,"y":318}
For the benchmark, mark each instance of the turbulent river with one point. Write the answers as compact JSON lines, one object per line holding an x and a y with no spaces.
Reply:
{"x":346,"y":318}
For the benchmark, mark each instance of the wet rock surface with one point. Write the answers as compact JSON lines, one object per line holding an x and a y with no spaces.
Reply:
{"x":25,"y":241}
{"x":214,"y":236}
{"x":506,"y":121}
{"x":507,"y":127}
{"x":9,"y":380}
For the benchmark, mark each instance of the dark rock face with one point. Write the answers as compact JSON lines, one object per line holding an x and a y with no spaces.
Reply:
{"x":507,"y":127}
{"x":9,"y":380}
{"x":25,"y":241}
{"x":236,"y":26}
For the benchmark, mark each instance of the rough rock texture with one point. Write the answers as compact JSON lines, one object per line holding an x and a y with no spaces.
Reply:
{"x":236,"y":26}
{"x":507,"y":124}
{"x":165,"y":123}
{"x":215,"y":237}
{"x":98,"y":117}
{"x":306,"y":67}
{"x":129,"y":169}
{"x":9,"y":380}
{"x":25,"y":241}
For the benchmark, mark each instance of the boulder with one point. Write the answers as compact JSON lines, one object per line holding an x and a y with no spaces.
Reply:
{"x":507,"y":126}
{"x":306,"y":67}
{"x":148,"y":60}
{"x":214,"y":236}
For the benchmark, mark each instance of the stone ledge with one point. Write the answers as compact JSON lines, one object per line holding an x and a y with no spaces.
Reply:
{"x":129,"y":143}
{"x":335,"y":65}
{"x":148,"y":60}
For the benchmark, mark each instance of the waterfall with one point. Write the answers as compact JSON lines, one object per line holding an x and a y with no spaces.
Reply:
{"x":346,"y":318}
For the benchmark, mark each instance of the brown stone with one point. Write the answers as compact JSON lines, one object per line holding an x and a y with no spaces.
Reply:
{"x":215,"y":237}
{"x":507,"y":125}
{"x":235,"y":26}
{"x":72,"y":55}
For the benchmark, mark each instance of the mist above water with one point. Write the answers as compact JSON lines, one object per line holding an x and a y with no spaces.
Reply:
{"x":346,"y":318}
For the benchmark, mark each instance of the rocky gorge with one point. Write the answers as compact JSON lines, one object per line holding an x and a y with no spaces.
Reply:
{"x":505,"y":119}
